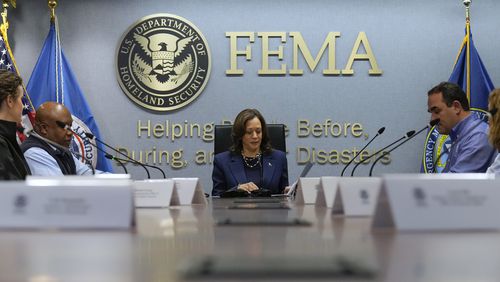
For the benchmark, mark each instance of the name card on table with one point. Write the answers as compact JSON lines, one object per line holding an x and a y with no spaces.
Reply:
{"x":155,"y":193}
{"x":357,"y":196}
{"x":307,"y":190}
{"x":66,"y":204}
{"x":189,"y":191}
{"x":327,"y":190}
{"x":438,"y":202}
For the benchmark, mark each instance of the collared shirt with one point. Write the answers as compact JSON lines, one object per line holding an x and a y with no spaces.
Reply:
{"x":470,"y":150}
{"x":42,"y":163}
{"x":495,"y":166}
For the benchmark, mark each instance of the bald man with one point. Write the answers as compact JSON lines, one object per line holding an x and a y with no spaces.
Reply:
{"x":52,"y":158}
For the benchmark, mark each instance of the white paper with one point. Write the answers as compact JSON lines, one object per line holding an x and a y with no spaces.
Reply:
{"x":78,"y":205}
{"x":154,"y":193}
{"x":357,"y":196}
{"x":307,"y":189}
{"x":438,"y":202}
{"x":327,"y":190}
{"x":189,"y":191}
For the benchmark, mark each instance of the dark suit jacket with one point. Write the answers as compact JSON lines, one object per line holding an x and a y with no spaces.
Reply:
{"x":13,"y":166}
{"x":229,"y":171}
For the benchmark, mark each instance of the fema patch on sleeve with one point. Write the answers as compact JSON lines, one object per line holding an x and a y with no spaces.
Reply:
{"x":163,"y":62}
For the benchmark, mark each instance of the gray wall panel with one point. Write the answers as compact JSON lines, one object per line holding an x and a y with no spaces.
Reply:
{"x":414,"y":42}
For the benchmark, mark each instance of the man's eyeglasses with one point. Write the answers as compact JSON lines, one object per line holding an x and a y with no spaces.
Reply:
{"x":62,"y":125}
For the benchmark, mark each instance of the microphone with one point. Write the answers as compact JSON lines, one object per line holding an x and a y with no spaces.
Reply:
{"x":408,"y":134}
{"x":380,"y":131}
{"x":31,"y":132}
{"x":129,"y":159}
{"x":67,"y":127}
{"x":108,"y":156}
{"x":119,"y":161}
{"x":432,"y":123}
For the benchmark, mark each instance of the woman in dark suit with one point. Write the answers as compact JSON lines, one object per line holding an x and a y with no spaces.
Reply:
{"x":12,"y":163}
{"x":251,"y":163}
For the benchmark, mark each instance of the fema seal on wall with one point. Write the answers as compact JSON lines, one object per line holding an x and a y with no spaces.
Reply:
{"x":163,"y":62}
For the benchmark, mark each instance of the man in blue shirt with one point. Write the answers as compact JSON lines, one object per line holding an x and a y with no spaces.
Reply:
{"x":470,"y":150}
{"x":47,"y":151}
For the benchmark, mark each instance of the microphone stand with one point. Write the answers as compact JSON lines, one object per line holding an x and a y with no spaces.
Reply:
{"x":91,"y":136}
{"x":380,"y":131}
{"x":108,"y":156}
{"x":388,"y":152}
{"x":408,"y":134}
{"x":129,"y":159}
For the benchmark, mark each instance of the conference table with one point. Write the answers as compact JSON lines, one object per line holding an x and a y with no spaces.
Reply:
{"x":165,"y":243}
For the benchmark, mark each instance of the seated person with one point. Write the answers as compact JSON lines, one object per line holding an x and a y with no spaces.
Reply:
{"x":494,"y":134}
{"x":52,"y":157}
{"x":251,"y":163}
{"x":12,"y":163}
{"x":470,"y":150}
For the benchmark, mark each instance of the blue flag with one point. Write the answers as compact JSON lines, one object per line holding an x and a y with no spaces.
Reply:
{"x":53,"y":80}
{"x":469,"y":72}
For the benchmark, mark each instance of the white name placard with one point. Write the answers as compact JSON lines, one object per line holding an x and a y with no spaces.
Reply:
{"x":307,"y":189}
{"x":357,"y":196}
{"x":155,"y":193}
{"x":327,"y":190}
{"x":66,"y":204}
{"x":438,"y":202}
{"x":189,"y":191}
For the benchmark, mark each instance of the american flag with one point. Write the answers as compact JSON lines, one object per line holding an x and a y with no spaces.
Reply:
{"x":7,"y":62}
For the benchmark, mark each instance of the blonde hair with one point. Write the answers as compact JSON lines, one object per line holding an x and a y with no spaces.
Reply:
{"x":494,"y":103}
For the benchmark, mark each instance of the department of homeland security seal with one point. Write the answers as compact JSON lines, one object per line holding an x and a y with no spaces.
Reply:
{"x":163,"y":62}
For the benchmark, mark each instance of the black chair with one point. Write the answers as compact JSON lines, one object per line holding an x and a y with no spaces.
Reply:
{"x":223,"y":140}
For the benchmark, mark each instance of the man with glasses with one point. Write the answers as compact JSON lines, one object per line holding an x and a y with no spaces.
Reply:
{"x":470,"y":150}
{"x":47,"y":149}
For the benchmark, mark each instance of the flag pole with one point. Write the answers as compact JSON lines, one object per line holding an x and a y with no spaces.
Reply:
{"x":58,"y":58}
{"x":52,"y":6}
{"x":467,"y":4}
{"x":467,"y":9}
{"x":5,"y":6}
{"x":3,"y":30}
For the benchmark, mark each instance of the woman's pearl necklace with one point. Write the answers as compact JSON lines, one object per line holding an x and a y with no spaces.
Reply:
{"x":251,"y":162}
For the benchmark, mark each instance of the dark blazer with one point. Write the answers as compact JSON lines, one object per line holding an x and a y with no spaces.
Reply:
{"x":13,"y":166}
{"x":229,"y":171}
